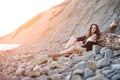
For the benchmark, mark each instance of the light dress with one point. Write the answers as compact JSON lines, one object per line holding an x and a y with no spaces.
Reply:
{"x":92,"y":38}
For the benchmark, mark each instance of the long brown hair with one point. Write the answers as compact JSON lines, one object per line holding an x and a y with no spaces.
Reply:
{"x":97,"y":32}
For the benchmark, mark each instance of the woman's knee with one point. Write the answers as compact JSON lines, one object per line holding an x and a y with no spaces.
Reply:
{"x":73,"y":37}
{"x":74,"y":47}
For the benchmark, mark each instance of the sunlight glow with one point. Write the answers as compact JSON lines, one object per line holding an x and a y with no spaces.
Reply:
{"x":4,"y":47}
{"x":14,"y":13}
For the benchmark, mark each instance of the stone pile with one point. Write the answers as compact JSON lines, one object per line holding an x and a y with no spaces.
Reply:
{"x":102,"y":63}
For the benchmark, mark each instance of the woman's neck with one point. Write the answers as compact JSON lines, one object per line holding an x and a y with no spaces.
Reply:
{"x":92,"y":33}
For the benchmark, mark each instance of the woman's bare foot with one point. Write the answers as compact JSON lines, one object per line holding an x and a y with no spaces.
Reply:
{"x":54,"y":55}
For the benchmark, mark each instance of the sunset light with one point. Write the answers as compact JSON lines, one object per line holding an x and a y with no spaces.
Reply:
{"x":14,"y":13}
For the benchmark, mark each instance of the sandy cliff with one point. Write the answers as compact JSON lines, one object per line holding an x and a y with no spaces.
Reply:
{"x":51,"y":29}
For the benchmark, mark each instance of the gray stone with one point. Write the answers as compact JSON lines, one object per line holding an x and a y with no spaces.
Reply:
{"x":117,"y":53}
{"x":76,"y":77}
{"x":15,"y":78}
{"x":88,"y":73}
{"x":3,"y":76}
{"x":109,"y":53}
{"x":116,"y":66}
{"x":65,"y":73}
{"x":117,"y":70}
{"x":20,"y":71}
{"x":58,"y":77}
{"x":52,"y":72}
{"x":106,"y":68}
{"x":63,"y":59}
{"x":37,"y":68}
{"x":43,"y":59}
{"x":69,"y":76}
{"x":116,"y":61}
{"x":91,"y":78}
{"x":96,"y":49}
{"x":98,"y":57}
{"x":97,"y":77}
{"x":89,"y":55}
{"x":32,"y":73}
{"x":35,"y":74}
{"x":116,"y":77}
{"x":43,"y":77}
{"x":108,"y":71}
{"x":102,"y":51}
{"x":103,"y":62}
{"x":60,"y":64}
{"x":91,"y":65}
{"x":105,"y":79}
{"x":111,"y":74}
{"x":26,"y":78}
{"x":81,"y":65}
{"x":98,"y":71}
{"x":73,"y":56}
{"x":78,"y":72}
{"x":76,"y":58}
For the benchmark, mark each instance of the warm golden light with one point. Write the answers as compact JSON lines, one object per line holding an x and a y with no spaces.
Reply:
{"x":14,"y":13}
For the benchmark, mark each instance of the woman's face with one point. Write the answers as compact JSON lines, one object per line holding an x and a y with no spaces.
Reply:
{"x":93,"y":29}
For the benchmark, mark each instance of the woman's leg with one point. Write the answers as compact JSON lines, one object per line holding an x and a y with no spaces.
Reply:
{"x":73,"y":49}
{"x":80,"y":50}
{"x":70,"y":42}
{"x":67,"y":51}
{"x":76,"y":49}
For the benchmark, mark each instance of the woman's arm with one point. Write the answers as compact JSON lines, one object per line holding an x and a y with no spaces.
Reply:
{"x":93,"y":38}
{"x":82,"y":38}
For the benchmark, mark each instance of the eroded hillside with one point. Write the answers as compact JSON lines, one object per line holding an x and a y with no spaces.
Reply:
{"x":51,"y":29}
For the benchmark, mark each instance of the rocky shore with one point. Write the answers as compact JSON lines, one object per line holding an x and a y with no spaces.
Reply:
{"x":102,"y":63}
{"x":47,"y":32}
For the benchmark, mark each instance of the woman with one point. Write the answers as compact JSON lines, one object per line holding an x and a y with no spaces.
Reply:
{"x":89,"y":40}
